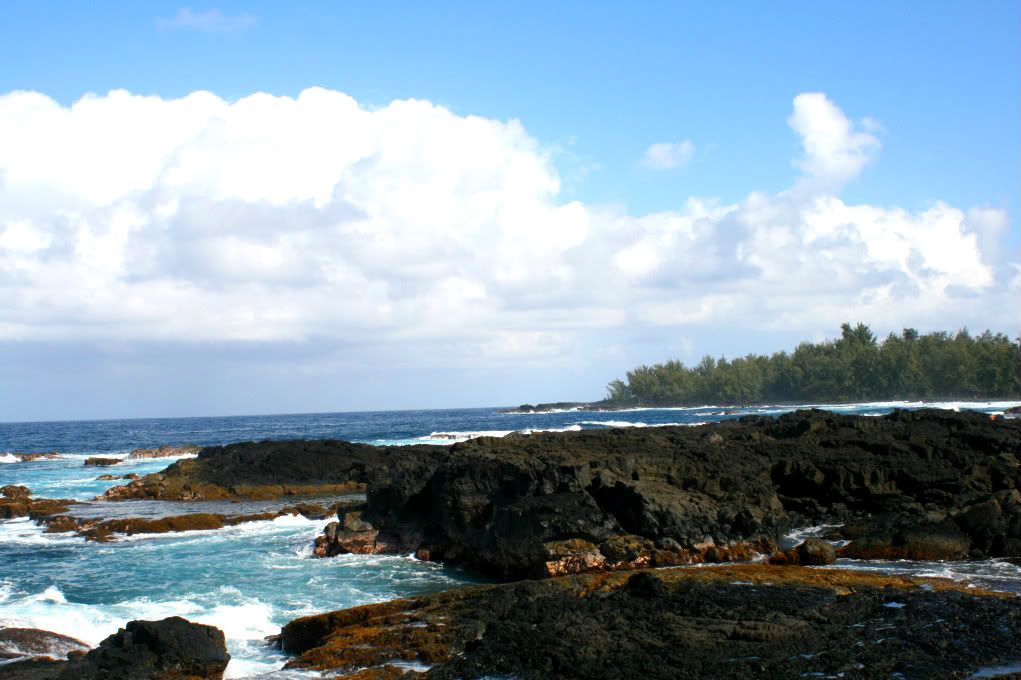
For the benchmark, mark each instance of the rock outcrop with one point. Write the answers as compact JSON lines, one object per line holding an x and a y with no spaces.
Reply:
{"x":730,"y":622}
{"x":921,"y":485}
{"x":270,"y":469}
{"x":171,"y":649}
{"x":110,"y":478}
{"x":100,"y":461}
{"x":17,"y":501}
{"x":918,"y":484}
{"x":165,"y":452}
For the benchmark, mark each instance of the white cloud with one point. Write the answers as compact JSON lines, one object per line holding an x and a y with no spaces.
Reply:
{"x":835,"y":152}
{"x":667,"y":155}
{"x":209,"y":21}
{"x":313,"y":218}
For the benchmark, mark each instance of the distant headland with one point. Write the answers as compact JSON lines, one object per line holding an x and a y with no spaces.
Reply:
{"x":853,"y":368}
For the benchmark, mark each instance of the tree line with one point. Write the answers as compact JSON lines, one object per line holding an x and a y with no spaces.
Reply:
{"x":855,"y":367}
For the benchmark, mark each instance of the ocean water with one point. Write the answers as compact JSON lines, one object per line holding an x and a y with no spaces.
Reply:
{"x":250,"y":579}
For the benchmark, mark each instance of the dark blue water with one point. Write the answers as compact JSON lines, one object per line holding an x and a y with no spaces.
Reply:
{"x":251,"y":579}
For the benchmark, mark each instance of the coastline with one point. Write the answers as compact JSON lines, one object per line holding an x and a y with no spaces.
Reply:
{"x":608,"y":406}
{"x":695,"y":503}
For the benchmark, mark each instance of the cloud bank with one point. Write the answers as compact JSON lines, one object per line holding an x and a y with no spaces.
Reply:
{"x":276,"y":219}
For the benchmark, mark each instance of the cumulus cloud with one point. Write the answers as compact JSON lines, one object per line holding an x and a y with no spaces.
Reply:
{"x":209,"y":21}
{"x":315,"y":219}
{"x":835,"y":151}
{"x":667,"y":155}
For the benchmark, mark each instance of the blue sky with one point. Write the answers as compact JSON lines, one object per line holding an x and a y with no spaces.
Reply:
{"x":933,"y":86}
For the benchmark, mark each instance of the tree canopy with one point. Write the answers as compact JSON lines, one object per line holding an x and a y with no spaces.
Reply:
{"x":854,"y":367}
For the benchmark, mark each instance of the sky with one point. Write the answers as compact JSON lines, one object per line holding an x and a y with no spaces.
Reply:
{"x":245,"y":208}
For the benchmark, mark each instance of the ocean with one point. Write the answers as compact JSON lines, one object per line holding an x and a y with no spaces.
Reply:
{"x":250,"y":579}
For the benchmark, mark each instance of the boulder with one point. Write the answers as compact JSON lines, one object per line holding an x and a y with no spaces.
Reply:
{"x":14,"y":491}
{"x":811,"y":552}
{"x":171,"y":649}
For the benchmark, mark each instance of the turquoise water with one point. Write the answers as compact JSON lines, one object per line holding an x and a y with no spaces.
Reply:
{"x":250,"y":579}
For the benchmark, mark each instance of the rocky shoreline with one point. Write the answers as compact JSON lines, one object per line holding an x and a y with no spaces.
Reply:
{"x":54,"y":514}
{"x":909,"y":485}
{"x":589,"y":513}
{"x":729,"y":622}
{"x":608,"y":405}
{"x":914,"y":485}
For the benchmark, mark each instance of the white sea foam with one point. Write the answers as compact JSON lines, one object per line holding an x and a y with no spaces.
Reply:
{"x":461,"y":436}
{"x":23,"y":531}
{"x":245,"y":529}
{"x":9,"y":458}
{"x":244,"y":619}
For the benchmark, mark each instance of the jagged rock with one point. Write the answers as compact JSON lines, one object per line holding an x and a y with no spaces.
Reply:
{"x":720,"y":492}
{"x":171,"y":649}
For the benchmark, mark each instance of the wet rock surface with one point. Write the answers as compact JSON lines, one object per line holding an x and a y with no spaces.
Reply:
{"x":30,"y":642}
{"x":16,"y":501}
{"x":744,"y":621}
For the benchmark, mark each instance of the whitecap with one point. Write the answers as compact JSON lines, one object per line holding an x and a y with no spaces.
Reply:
{"x":9,"y":458}
{"x":23,"y":531}
{"x":462,"y":436}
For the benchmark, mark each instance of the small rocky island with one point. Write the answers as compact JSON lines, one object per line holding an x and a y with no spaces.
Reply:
{"x":609,"y":528}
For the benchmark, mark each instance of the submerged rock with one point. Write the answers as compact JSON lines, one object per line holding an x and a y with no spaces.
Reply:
{"x":108,"y":478}
{"x":28,"y":457}
{"x":730,"y":622}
